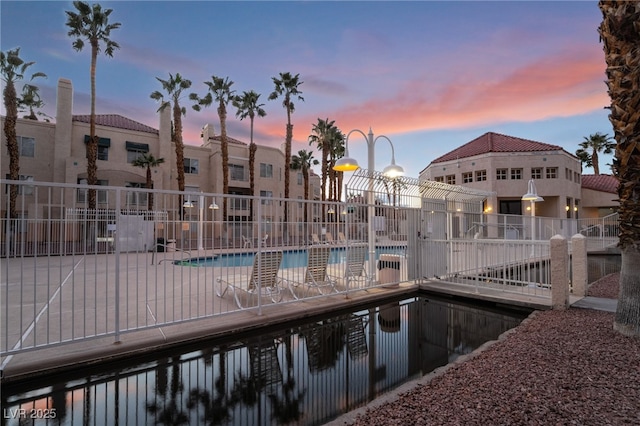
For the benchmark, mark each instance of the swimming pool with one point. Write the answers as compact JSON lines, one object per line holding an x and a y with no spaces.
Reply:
{"x":290,"y":259}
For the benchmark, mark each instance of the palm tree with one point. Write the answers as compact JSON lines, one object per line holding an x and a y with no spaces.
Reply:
{"x":220,"y":91}
{"x":91,"y":23}
{"x":287,"y":86}
{"x":319,"y":138}
{"x":174,"y":86}
{"x":620,"y":36}
{"x":336,"y":150}
{"x":248,"y":106}
{"x":147,"y":161}
{"x":591,"y":146}
{"x":303,"y":162}
{"x":31,"y":101}
{"x":13,"y":69}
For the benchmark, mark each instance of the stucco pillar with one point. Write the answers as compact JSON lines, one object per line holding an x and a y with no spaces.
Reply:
{"x":579,"y":275}
{"x":559,"y":273}
{"x":62,"y":142}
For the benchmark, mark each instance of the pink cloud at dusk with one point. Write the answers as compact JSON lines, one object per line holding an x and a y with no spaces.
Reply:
{"x":556,"y":86}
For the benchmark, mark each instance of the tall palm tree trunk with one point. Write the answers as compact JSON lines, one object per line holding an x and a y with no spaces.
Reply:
{"x":620,"y":35}
{"x":287,"y":161}
{"x":252,"y":173}
{"x":149,"y":186}
{"x":92,"y":144}
{"x":177,"y":120}
{"x":11,"y":106}
{"x":224,"y":147}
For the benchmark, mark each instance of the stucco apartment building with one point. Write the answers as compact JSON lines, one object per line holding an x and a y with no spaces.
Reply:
{"x":55,"y":152}
{"x":504,"y":165}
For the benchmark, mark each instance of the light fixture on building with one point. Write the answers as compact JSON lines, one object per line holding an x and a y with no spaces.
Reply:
{"x":213,"y":206}
{"x":532,"y":194}
{"x":188,"y":204}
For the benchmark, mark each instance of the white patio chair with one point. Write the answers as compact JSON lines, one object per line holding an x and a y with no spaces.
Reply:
{"x":246,"y":242}
{"x":315,"y":274}
{"x":263,"y":281}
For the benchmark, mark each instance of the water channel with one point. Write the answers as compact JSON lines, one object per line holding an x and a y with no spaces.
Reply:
{"x":305,"y":373}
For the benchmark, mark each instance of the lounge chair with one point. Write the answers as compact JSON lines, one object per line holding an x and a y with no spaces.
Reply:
{"x":315,"y":239}
{"x":329,"y":238}
{"x":263,"y":281}
{"x":356,"y":255}
{"x":314,"y":275}
{"x":341,"y":238}
{"x":263,"y":242}
{"x":246,"y":242}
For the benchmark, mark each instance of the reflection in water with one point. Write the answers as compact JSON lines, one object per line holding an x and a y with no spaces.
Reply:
{"x":307,"y":374}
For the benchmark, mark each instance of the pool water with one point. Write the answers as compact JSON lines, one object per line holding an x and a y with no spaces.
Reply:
{"x":306,"y":372}
{"x":290,"y":258}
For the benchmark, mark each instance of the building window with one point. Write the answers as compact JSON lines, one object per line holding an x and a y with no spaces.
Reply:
{"x":481,"y":175}
{"x":22,"y":189}
{"x":102,"y":195}
{"x":467,"y":177}
{"x":536,"y":173}
{"x":135,"y":150}
{"x":103,"y":153}
{"x":236,"y":172}
{"x":300,"y":179}
{"x":26,"y":146}
{"x":439,"y":179}
{"x":501,"y":174}
{"x":576,"y":177}
{"x":266,"y":194}
{"x":516,"y":174}
{"x":191,"y":166}
{"x":266,"y":170}
{"x":103,"y":147}
{"x":451,"y":179}
{"x":567,"y":173}
{"x":552,"y":172}
{"x":136,"y":198}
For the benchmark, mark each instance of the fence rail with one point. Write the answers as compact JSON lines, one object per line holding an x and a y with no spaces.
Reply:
{"x":71,"y":273}
{"x":514,"y":266}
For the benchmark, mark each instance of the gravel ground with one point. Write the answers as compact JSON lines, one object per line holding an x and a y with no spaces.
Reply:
{"x":556,"y":368}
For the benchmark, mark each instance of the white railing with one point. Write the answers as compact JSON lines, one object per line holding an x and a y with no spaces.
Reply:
{"x":70,"y":273}
{"x":601,"y":232}
{"x":508,"y":265}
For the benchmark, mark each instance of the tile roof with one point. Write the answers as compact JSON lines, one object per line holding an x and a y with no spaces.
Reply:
{"x":229,"y":140}
{"x":495,"y":142}
{"x":117,"y":121}
{"x":603,"y":183}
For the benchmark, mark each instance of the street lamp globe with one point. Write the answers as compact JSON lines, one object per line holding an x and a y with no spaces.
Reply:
{"x":346,"y":164}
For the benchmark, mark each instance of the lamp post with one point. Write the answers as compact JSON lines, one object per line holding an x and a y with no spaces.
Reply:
{"x":189,"y":205}
{"x":213,"y":206}
{"x":348,"y":164}
{"x":533,"y":197}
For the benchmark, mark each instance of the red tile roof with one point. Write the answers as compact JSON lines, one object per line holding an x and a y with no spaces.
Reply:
{"x":117,"y":121}
{"x":495,"y":142}
{"x":603,"y":183}
{"x":229,"y":140}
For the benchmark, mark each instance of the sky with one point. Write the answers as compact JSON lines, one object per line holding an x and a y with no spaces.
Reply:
{"x":429,"y":75}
